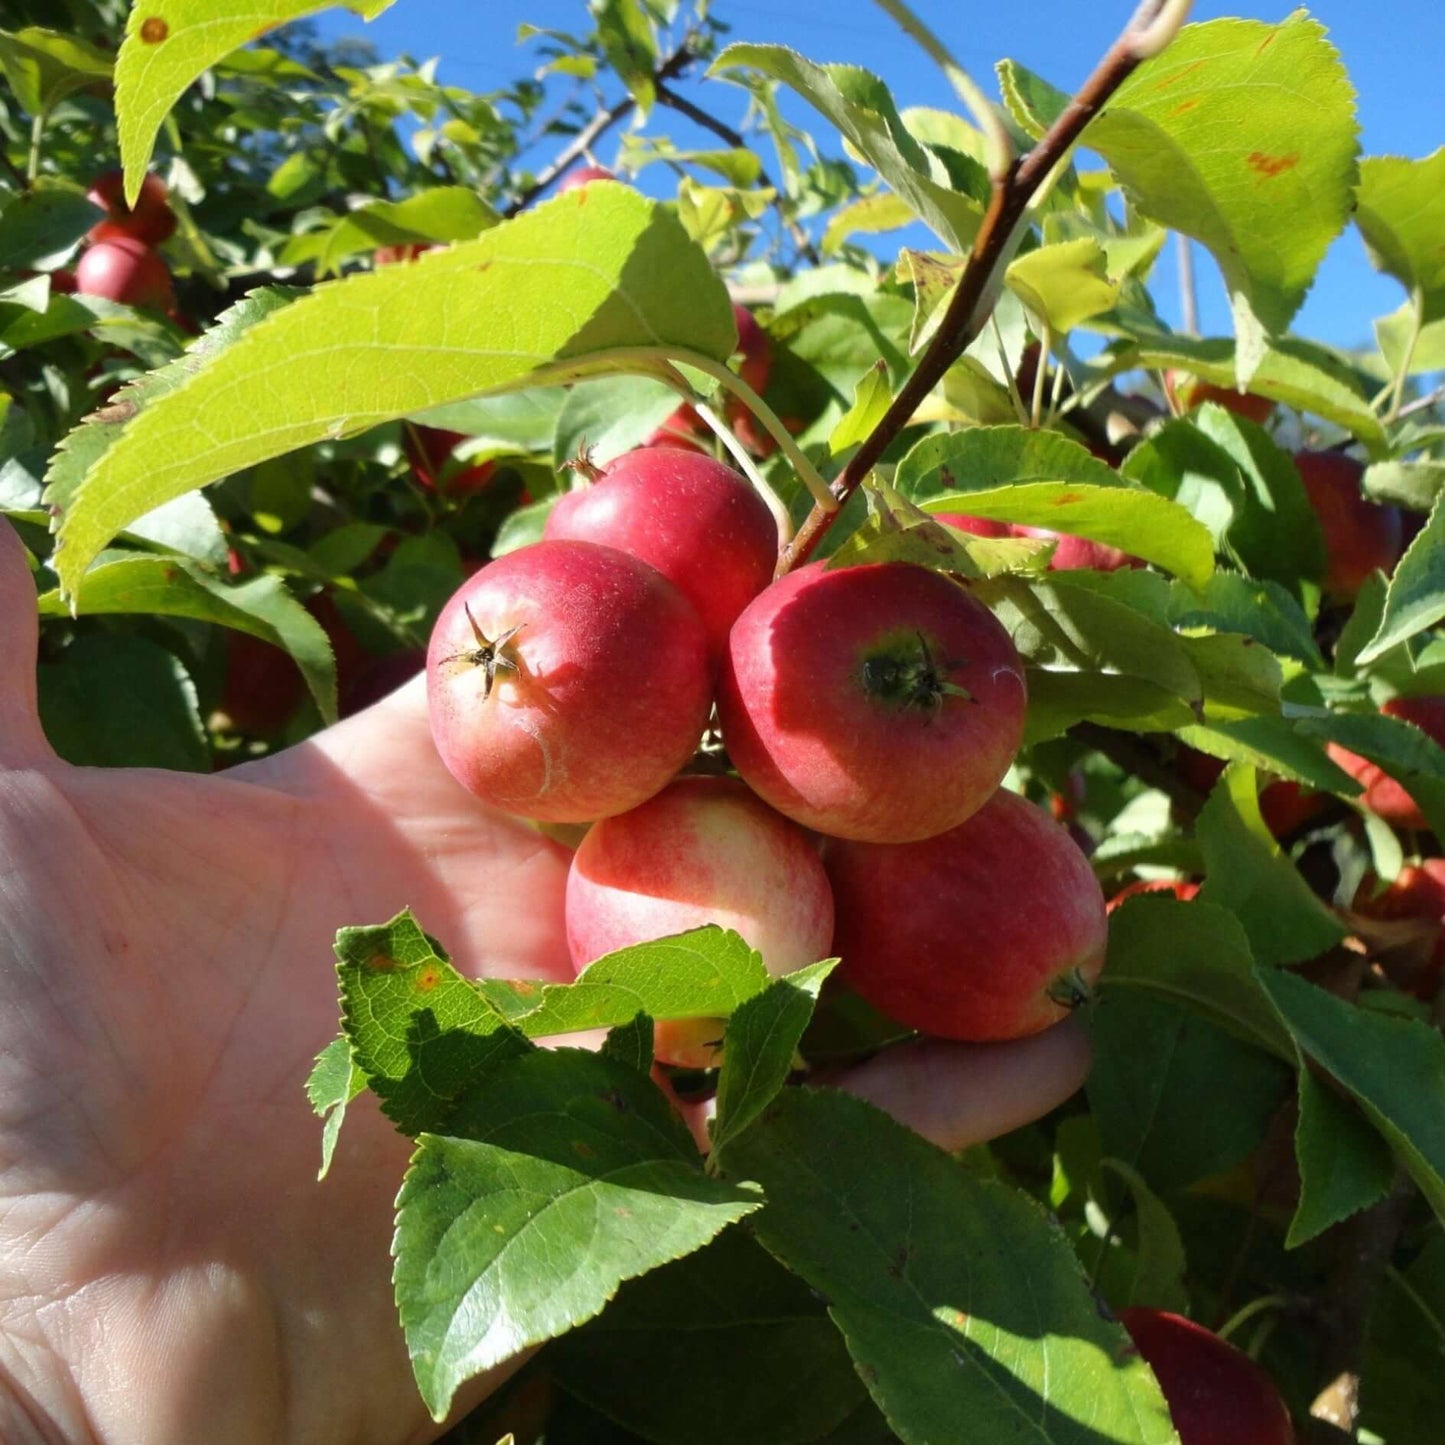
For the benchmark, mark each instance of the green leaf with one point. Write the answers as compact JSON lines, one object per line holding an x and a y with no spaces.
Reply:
{"x":1262,"y":610}
{"x":609,"y":417}
{"x":1344,"y":1165}
{"x":1241,"y":487}
{"x":760,"y":1048}
{"x":170,"y":43}
{"x":1411,"y":340}
{"x":1152,"y":1272}
{"x":1243,"y":136}
{"x":1273,"y":745}
{"x":706,"y":973}
{"x":1246,"y":872}
{"x":630,"y":1044}
{"x":45,"y":66}
{"x":963,"y":1306}
{"x":418,"y":1030}
{"x":1291,"y":371}
{"x":1394,"y":1068}
{"x":176,"y":587}
{"x":871,"y":400}
{"x":148,"y":717}
{"x":1043,"y":479}
{"x":1153,"y":1061}
{"x":335,"y":1080}
{"x":1063,"y":284}
{"x":1416,"y":485}
{"x":40,"y":227}
{"x":1416,"y":596}
{"x":859,"y":105}
{"x":441,"y":214}
{"x":1400,"y":210}
{"x":594,"y":280}
{"x":746,"y":1349}
{"x":628,"y":43}
{"x":570,"y":1174}
{"x":519,"y":421}
{"x":869,"y":215}
{"x":1031,"y":101}
{"x":1195,"y":954}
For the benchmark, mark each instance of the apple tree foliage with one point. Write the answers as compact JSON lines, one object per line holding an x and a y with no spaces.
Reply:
{"x":1267,"y":1105}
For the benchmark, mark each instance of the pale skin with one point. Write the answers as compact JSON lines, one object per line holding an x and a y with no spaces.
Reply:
{"x":170,"y":1268}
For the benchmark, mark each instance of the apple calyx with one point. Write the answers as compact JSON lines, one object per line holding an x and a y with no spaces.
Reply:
{"x":488,"y":654}
{"x":915,"y":682}
{"x":1069,"y":989}
{"x":583,"y":467}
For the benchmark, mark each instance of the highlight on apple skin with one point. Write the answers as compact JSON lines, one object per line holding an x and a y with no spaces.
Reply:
{"x":567,"y":681}
{"x":879,"y":702}
{"x":993,"y":930}
{"x":704,"y":850}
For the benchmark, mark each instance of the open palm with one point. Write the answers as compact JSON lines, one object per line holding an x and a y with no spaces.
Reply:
{"x":170,"y":1269}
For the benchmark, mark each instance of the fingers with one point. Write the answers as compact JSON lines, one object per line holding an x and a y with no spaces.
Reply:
{"x":21,"y":740}
{"x":962,"y":1094}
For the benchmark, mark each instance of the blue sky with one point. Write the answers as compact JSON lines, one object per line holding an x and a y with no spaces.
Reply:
{"x":1392,"y":49}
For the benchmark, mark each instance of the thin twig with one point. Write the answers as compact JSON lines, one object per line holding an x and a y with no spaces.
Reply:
{"x":734,"y":138}
{"x":1421,"y":403}
{"x":1132,"y":753}
{"x":600,"y":123}
{"x":1188,"y":295}
{"x":1151,"y":27}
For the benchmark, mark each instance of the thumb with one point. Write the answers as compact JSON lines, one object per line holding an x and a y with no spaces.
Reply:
{"x":21,"y":740}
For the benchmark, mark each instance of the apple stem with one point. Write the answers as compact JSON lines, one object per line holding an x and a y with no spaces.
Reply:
{"x":1004,"y":224}
{"x":1036,"y":406}
{"x":1020,"y":410}
{"x":761,"y":485}
{"x":1242,"y":1317}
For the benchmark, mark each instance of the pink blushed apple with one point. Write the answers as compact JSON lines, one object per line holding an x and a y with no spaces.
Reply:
{"x":1383,"y":795}
{"x":697,"y":521}
{"x":704,"y":850}
{"x":567,"y":681}
{"x":992,"y":930}
{"x":881,"y":702}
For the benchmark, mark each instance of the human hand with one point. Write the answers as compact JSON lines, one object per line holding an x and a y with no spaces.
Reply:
{"x":173,"y":1271}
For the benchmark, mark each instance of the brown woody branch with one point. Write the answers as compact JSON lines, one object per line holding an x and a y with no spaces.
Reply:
{"x":972,"y":302}
{"x":595,"y":128}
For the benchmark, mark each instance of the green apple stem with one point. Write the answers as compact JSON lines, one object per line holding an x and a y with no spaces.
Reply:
{"x":1242,"y":1317}
{"x":750,"y":469}
{"x":1006,"y":221}
{"x":1020,"y":410}
{"x":1417,"y":325}
{"x":1036,"y":405}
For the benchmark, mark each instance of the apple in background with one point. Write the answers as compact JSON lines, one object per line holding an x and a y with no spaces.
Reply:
{"x":1216,"y":1394}
{"x":1285,"y":805}
{"x":1361,"y":536}
{"x":392,"y":255}
{"x":62,"y":283}
{"x":567,"y":681}
{"x":881,"y":702}
{"x":992,"y":930}
{"x":428,"y":450}
{"x":150,"y":222}
{"x":1186,"y":392}
{"x":1180,"y":888}
{"x":128,"y":271}
{"x":755,"y":365}
{"x":1383,"y":796}
{"x":583,"y":176}
{"x":379,"y":677}
{"x":1417,"y":961}
{"x":974,"y":526}
{"x":262,"y":687}
{"x":1074,"y":553}
{"x":704,"y":850}
{"x":697,"y":521}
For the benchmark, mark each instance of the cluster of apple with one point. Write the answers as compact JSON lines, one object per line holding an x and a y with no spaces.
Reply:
{"x":120,"y":261}
{"x":870,"y":713}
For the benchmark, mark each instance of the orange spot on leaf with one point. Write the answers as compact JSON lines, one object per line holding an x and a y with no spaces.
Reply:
{"x":1271,"y":166}
{"x":381,"y":963}
{"x":153,"y":30}
{"x":1267,"y":42}
{"x":427,"y":979}
{"x":1065,"y":498}
{"x":1184,"y":107}
{"x":1177,"y":76}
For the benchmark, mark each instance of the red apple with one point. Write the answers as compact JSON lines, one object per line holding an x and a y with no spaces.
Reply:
{"x":698,"y":522}
{"x":1187,"y":392}
{"x":567,"y":681}
{"x":704,"y":850}
{"x":1284,"y":805}
{"x":1416,"y":962}
{"x":1383,"y":796}
{"x":992,"y":930}
{"x":1073,"y":553}
{"x":974,"y":526}
{"x":1181,"y":889}
{"x":262,"y":687}
{"x":62,"y":283}
{"x":428,"y":449}
{"x":1361,"y":536}
{"x":880,"y":702}
{"x":1216,"y":1394}
{"x":150,"y":222}
{"x":128,"y":271}
{"x":583,"y":176}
